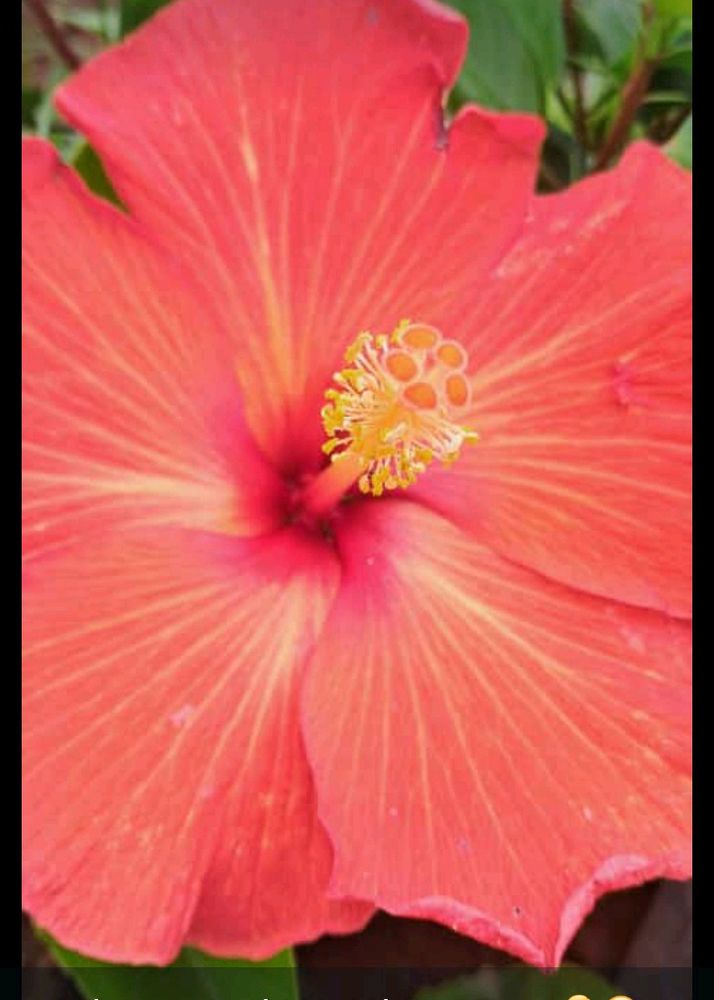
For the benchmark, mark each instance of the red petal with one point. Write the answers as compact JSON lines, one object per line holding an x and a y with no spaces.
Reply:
{"x":161,"y":738}
{"x":131,"y":409}
{"x":581,"y":348}
{"x":492,"y":750}
{"x":167,"y":796}
{"x":296,"y":154}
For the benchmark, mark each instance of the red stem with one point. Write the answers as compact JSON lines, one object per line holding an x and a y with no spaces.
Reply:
{"x":53,"y":34}
{"x":632,"y":95}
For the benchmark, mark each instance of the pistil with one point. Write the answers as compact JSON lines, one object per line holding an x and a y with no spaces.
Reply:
{"x":327,"y":488}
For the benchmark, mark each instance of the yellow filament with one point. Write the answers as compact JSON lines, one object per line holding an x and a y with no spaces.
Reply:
{"x":396,"y":406}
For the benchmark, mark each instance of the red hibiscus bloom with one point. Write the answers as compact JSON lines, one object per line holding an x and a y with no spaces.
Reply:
{"x":260,"y":701}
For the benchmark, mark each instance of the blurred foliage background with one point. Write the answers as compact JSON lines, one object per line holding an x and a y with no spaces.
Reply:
{"x":601,"y":72}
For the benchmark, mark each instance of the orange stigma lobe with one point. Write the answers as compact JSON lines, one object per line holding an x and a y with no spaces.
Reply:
{"x":397,"y":406}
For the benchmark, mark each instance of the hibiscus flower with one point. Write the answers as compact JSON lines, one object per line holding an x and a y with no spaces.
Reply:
{"x":420,"y":644}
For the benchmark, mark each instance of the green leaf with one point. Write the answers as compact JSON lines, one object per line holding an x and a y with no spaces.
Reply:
{"x":522,"y":984}
{"x":675,"y":52}
{"x":667,"y":97}
{"x":563,"y":160}
{"x":530,"y":984}
{"x":609,"y":28}
{"x":46,"y":118}
{"x":135,"y":12}
{"x":480,"y":986}
{"x":193,"y":974}
{"x":91,"y":170}
{"x":103,"y":22}
{"x":516,"y":50}
{"x":31,"y":99}
{"x":673,"y":8}
{"x":679,"y":148}
{"x":679,"y":58}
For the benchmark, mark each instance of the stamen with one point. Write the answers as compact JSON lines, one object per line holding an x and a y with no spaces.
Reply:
{"x":397,"y":405}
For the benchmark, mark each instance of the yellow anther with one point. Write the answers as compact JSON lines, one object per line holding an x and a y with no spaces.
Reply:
{"x":397,"y":405}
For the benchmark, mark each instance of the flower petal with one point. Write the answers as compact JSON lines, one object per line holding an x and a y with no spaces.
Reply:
{"x":515,"y":748}
{"x":581,"y":347}
{"x":166,"y":792}
{"x":297,"y":154}
{"x":131,"y":410}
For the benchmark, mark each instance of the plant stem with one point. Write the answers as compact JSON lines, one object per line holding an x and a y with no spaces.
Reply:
{"x":53,"y":34}
{"x":580,"y":120}
{"x":632,"y":96}
{"x":635,"y":89}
